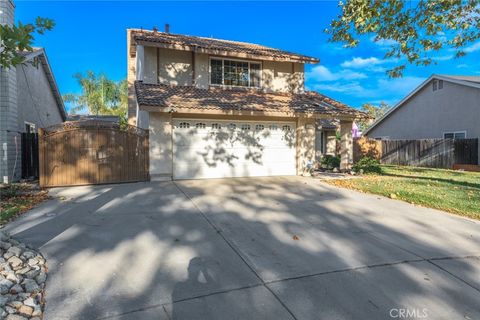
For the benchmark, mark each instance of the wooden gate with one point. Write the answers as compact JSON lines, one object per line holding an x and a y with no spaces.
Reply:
{"x":92,"y":152}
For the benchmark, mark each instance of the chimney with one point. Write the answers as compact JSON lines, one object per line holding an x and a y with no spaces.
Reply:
{"x":167,"y":28}
{"x":7,"y":10}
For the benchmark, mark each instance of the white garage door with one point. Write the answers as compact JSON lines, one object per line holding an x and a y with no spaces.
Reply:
{"x":218,"y":149}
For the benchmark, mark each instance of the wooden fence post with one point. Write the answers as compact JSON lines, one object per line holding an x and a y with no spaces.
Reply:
{"x":41,"y":157}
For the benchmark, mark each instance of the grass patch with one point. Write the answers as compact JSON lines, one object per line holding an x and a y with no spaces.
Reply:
{"x":453,"y":191}
{"x":17,"y":199}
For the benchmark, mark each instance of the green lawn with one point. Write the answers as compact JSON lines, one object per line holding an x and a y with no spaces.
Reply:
{"x":453,"y":191}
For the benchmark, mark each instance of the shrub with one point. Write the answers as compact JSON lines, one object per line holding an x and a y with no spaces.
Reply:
{"x":330,"y":162}
{"x":367,"y":165}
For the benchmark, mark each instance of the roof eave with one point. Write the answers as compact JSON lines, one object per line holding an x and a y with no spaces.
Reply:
{"x":235,"y":112}
{"x":227,"y":53}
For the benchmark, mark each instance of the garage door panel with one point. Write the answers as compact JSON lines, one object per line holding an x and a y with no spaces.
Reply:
{"x":223,"y":170}
{"x":264,"y":156}
{"x":232,"y":149}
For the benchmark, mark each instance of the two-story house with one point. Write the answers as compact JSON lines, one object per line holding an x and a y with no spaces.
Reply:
{"x":218,"y":108}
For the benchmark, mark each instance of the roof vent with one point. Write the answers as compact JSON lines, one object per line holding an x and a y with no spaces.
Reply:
{"x":167,"y":28}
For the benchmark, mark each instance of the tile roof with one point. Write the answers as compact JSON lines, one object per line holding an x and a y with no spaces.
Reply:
{"x":164,"y":96}
{"x":217,"y":45}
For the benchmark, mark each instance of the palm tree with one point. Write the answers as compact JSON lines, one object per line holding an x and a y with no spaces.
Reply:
{"x":100,"y":95}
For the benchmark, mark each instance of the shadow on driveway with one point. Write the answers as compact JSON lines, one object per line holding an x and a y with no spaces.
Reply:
{"x":256,"y":248}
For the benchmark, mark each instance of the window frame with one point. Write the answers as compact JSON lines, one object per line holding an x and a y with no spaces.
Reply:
{"x":31,"y":126}
{"x":223,"y":72}
{"x":454,"y":133}
{"x":437,"y":84}
{"x":200,"y":125}
{"x":184,"y":125}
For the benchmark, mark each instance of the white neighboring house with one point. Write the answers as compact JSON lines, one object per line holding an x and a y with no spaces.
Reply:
{"x":443,"y":106}
{"x":29,"y":100}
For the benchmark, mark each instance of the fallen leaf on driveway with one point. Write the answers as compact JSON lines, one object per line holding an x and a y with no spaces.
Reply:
{"x":295,"y":237}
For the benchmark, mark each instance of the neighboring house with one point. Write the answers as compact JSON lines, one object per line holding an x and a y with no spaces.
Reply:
{"x":218,"y":108}
{"x":29,"y":99}
{"x":90,"y":117}
{"x":443,"y":106}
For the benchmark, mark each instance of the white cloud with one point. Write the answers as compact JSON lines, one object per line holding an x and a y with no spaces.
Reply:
{"x":351,"y":88}
{"x":461,"y":66}
{"x":474,"y":47}
{"x":383,"y":42}
{"x":358,"y":62}
{"x":391,"y":90}
{"x":322,"y":73}
{"x":443,"y":58}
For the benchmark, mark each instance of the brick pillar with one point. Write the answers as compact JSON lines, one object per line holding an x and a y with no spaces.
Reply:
{"x":346,"y":145}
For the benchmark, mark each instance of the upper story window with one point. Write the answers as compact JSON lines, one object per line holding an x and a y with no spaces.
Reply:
{"x":437,"y":85}
{"x":455,"y":135}
{"x":235,"y":73}
{"x":29,"y":127}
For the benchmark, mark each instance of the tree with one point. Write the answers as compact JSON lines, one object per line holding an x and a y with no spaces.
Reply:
{"x":375,"y":113}
{"x":413,"y":30}
{"x":19,"y":38}
{"x":100,"y":95}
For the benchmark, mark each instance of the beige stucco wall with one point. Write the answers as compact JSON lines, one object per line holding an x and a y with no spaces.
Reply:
{"x":305,"y":144}
{"x":428,"y":114}
{"x":331,"y":143}
{"x":283,"y":76}
{"x":175,"y":68}
{"x":202,"y":79}
{"x":160,"y":142}
{"x":150,"y":72}
{"x":346,"y":145}
{"x":131,"y":75}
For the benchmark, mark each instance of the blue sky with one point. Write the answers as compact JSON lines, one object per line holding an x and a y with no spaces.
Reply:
{"x":91,"y":35}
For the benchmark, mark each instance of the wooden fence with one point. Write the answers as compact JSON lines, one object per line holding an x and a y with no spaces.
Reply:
{"x":92,"y":152}
{"x":434,"y":153}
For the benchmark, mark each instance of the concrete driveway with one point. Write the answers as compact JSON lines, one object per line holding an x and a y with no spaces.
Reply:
{"x":256,"y":248}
